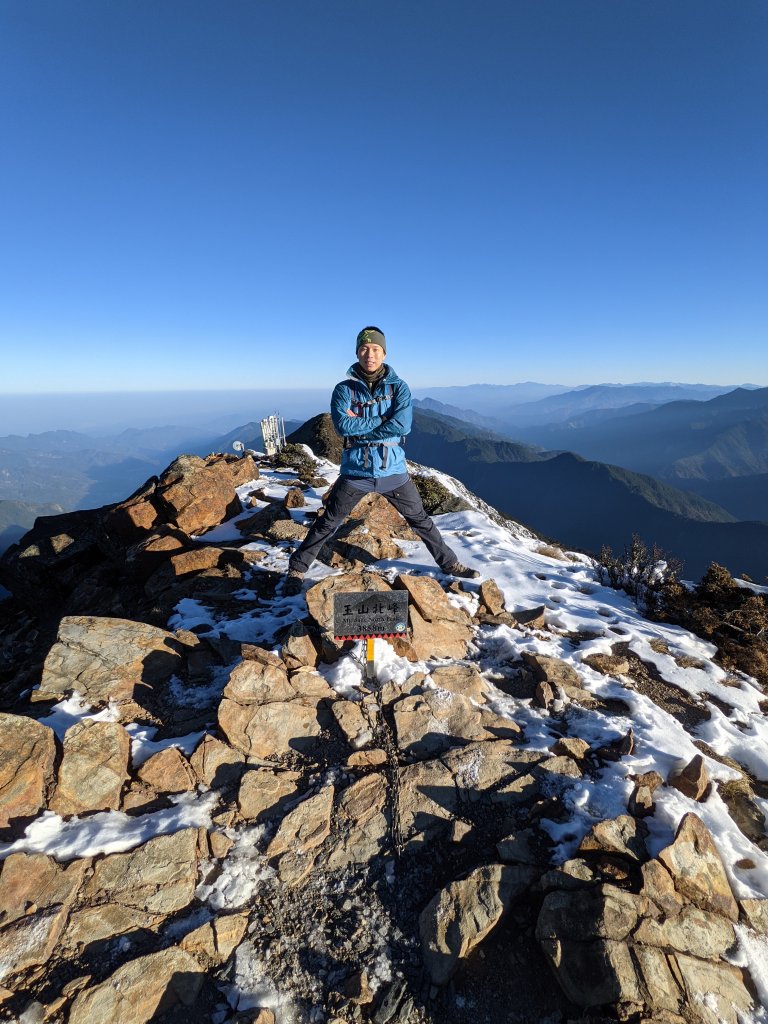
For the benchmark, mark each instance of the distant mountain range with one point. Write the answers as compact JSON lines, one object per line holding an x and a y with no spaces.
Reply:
{"x":689,"y":444}
{"x":515,"y":405}
{"x":587,"y":504}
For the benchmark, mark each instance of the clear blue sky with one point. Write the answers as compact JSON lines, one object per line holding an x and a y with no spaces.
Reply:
{"x":196,"y":193}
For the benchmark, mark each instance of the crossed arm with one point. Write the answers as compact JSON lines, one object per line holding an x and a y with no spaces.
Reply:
{"x":370,"y":425}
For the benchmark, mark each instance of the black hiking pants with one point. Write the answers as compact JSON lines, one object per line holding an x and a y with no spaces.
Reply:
{"x":343,"y":498}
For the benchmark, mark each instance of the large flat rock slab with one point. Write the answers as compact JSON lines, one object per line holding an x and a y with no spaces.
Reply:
{"x":108,"y":659}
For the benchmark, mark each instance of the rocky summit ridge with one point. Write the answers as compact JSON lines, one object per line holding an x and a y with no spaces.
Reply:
{"x":545,"y":808}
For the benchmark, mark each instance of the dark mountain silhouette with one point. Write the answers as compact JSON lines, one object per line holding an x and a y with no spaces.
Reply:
{"x":588,"y":504}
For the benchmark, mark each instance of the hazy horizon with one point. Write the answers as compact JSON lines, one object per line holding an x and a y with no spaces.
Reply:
{"x":216,"y":410}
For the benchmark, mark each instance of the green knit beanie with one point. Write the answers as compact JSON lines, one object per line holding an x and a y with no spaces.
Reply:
{"x":371,"y":336}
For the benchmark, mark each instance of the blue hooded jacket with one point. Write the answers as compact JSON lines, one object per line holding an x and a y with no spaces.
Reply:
{"x":373,"y":424}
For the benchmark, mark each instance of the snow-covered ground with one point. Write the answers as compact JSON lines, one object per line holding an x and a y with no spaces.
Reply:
{"x":575,"y":602}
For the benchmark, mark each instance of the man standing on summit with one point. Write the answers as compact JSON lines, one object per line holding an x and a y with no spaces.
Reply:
{"x":372,"y":412}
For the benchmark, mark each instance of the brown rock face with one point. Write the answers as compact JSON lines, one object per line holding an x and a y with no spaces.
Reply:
{"x":108,"y":659}
{"x":438,"y":628}
{"x":692,"y":780}
{"x":697,"y":870}
{"x":460,"y":916}
{"x":264,"y":714}
{"x":168,"y":771}
{"x":196,"y":494}
{"x":138,"y":889}
{"x":140,"y":990}
{"x":93,"y":769}
{"x":27,"y":751}
{"x":301,"y":832}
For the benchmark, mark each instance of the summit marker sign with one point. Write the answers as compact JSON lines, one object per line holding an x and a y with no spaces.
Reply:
{"x":370,"y":613}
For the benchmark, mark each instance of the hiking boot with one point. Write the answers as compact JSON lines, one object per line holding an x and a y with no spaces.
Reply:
{"x":464,"y":571}
{"x":293,"y":583}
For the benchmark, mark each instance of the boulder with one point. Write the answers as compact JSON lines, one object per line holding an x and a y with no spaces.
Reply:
{"x":640,"y":804}
{"x":272,"y":729}
{"x":460,"y":916}
{"x":493,"y":773}
{"x":363,"y":822}
{"x":286,"y":529}
{"x":594,"y":973}
{"x":168,"y":771}
{"x":263,"y":791}
{"x":320,"y":596}
{"x":294,"y":498}
{"x":464,"y":680}
{"x":217,"y":939}
{"x":608,"y":664}
{"x":299,"y":648}
{"x":216,"y":764}
{"x":715,"y":991}
{"x":622,"y":836}
{"x":428,"y":802}
{"x":94,"y":768}
{"x":438,"y":628}
{"x":697,"y":870}
{"x":570,"y":746}
{"x":299,"y":835}
{"x":108,"y":659}
{"x":659,"y":887}
{"x":491,"y":597}
{"x":27,"y":752}
{"x":259,"y":523}
{"x":196,"y":494}
{"x":694,"y":931}
{"x":368,"y":535}
{"x":353,"y":723}
{"x":260,"y":677}
{"x":600,"y":912}
{"x":555,"y":671}
{"x":184,"y":566}
{"x":531,"y":618}
{"x":140,"y":990}
{"x":264,"y":714}
{"x":692,"y":779}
